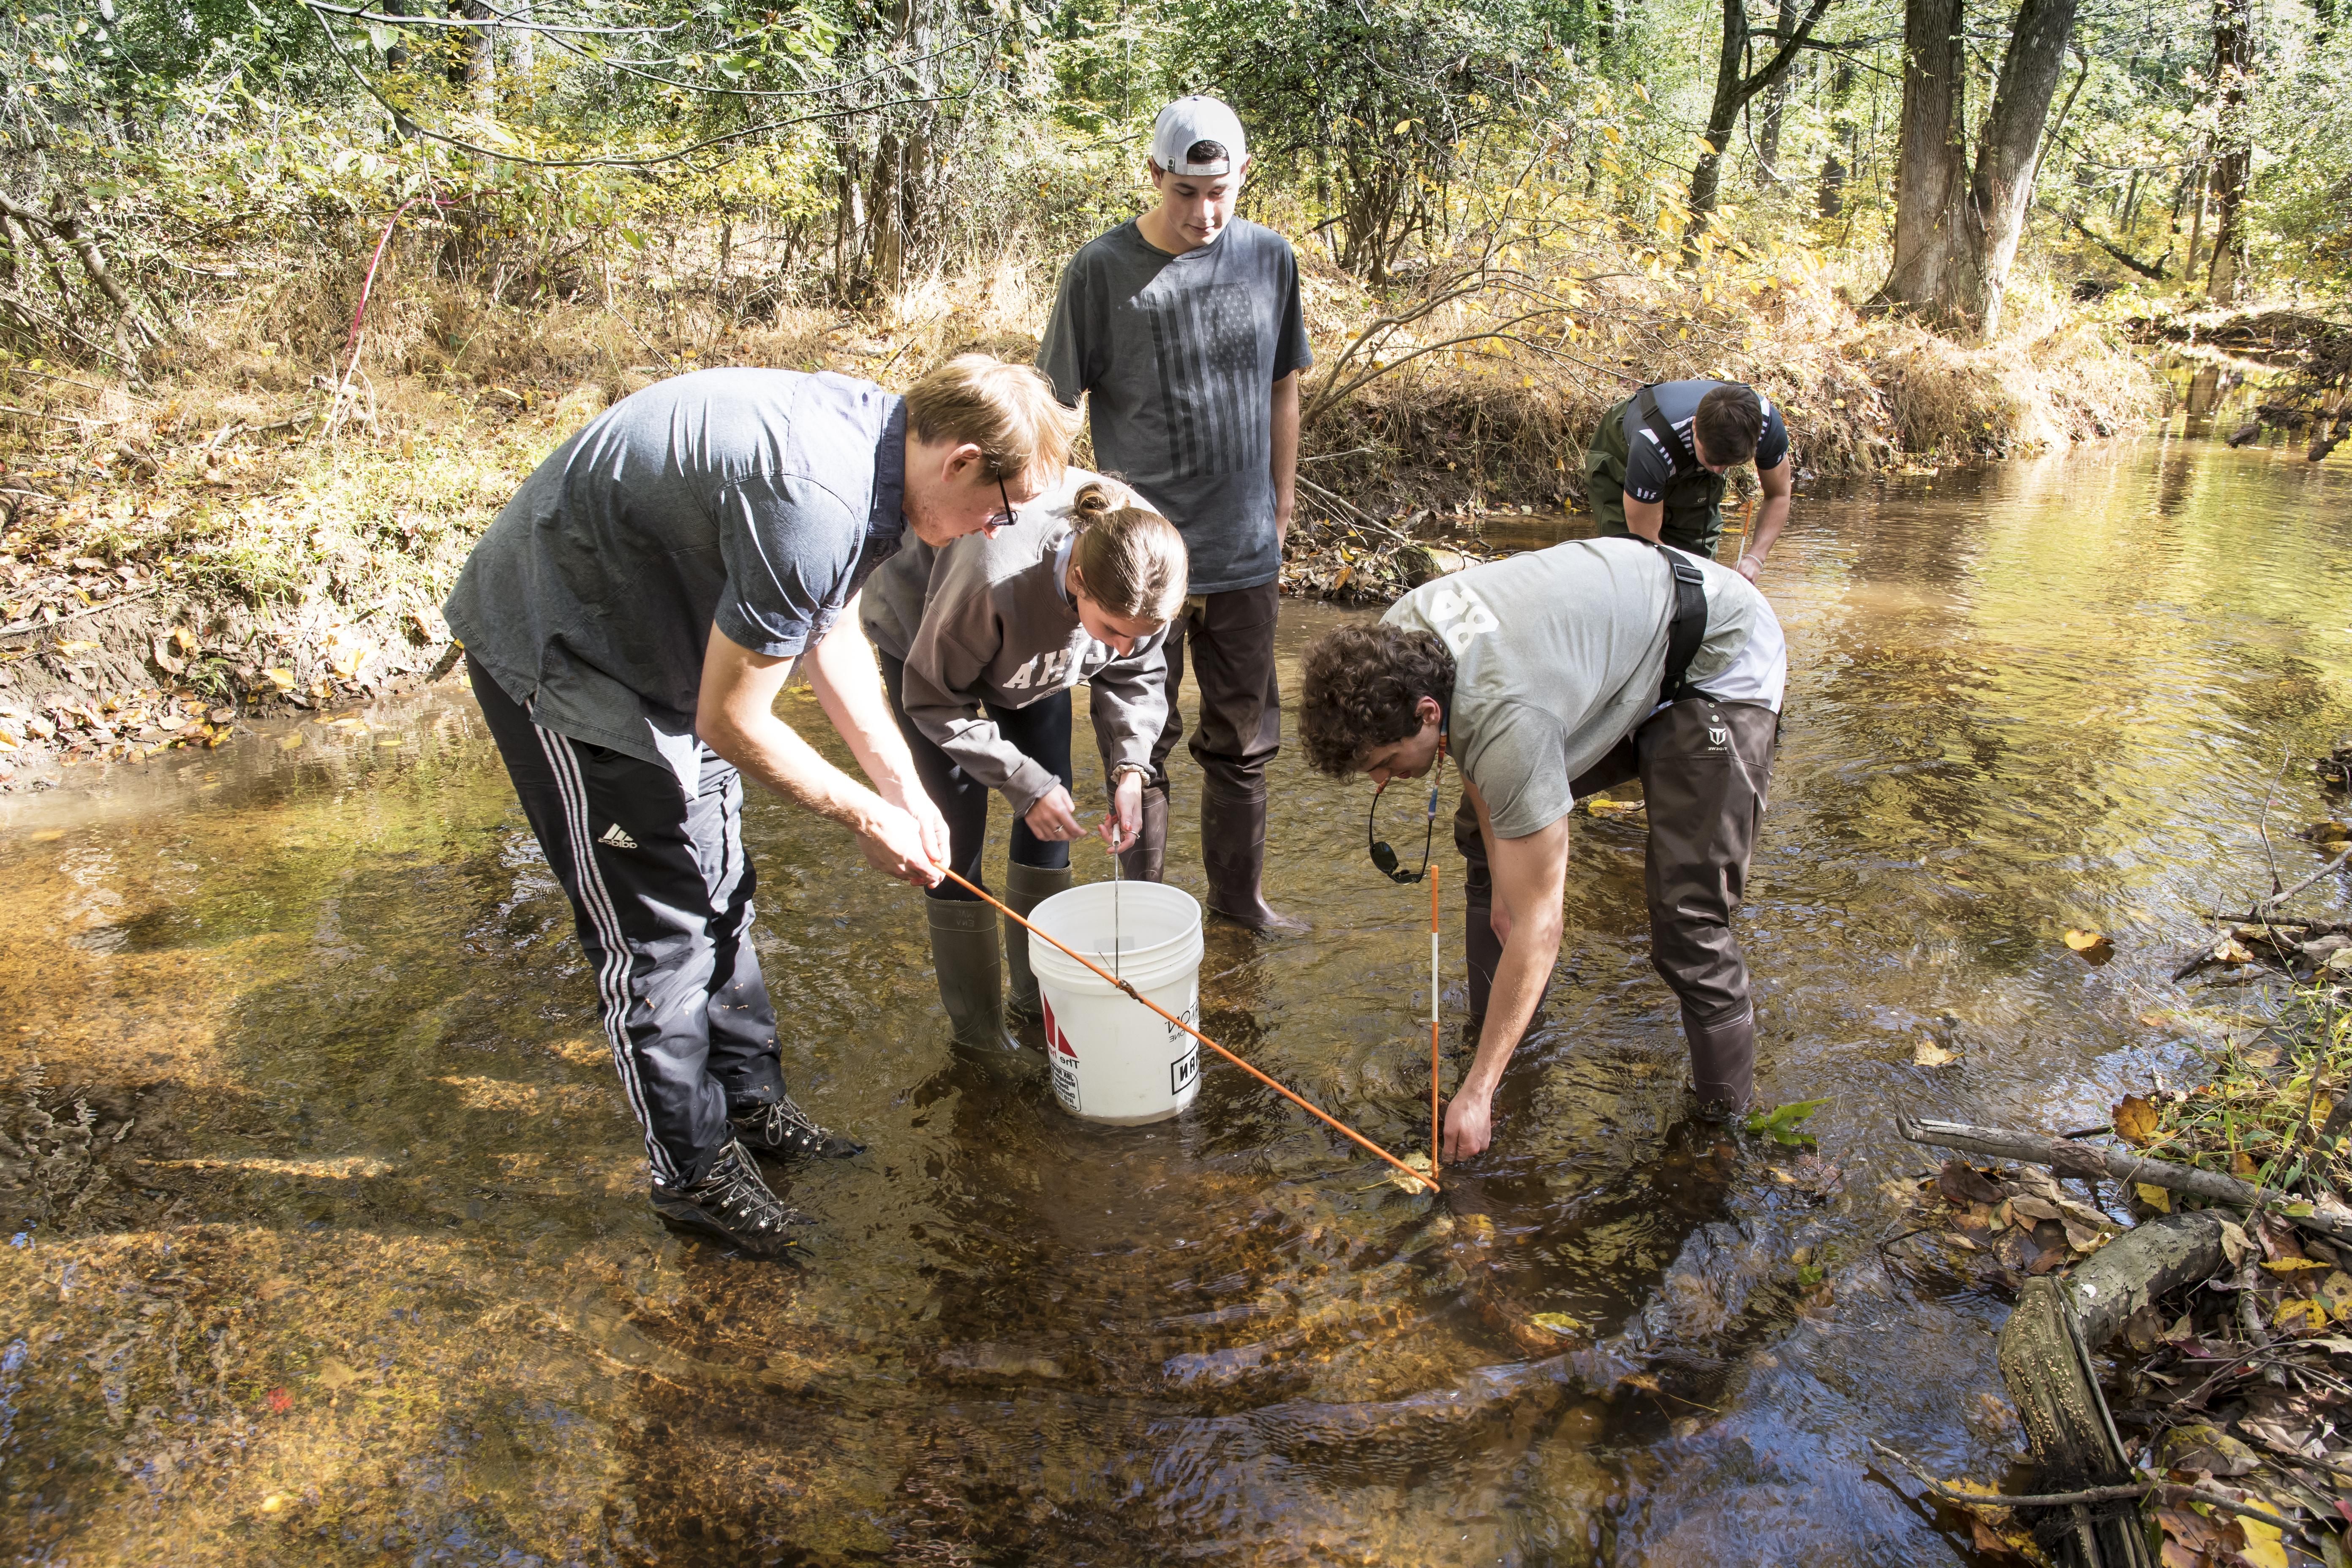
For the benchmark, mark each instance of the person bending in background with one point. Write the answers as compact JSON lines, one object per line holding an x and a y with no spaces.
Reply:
{"x":1547,"y":676}
{"x":1656,"y":464}
{"x":628,"y":622}
{"x":981,"y":643}
{"x":1185,"y":331}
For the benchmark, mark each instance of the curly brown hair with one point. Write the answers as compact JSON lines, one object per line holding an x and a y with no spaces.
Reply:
{"x":1362,"y":685}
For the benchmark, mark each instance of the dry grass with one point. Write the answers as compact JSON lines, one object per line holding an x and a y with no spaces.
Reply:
{"x":286,"y":527}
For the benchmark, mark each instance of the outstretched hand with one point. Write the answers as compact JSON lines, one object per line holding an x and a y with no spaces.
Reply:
{"x":1469,"y":1125}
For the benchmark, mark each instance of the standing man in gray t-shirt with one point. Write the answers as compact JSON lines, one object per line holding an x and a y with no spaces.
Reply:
{"x":1184,"y":328}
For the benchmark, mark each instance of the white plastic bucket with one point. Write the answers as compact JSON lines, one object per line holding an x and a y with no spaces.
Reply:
{"x":1114,"y":1060}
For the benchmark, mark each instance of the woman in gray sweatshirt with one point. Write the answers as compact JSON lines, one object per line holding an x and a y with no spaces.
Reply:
{"x":980,"y":643}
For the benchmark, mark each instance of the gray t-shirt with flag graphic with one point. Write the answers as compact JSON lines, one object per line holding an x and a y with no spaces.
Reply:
{"x":1179,"y":355}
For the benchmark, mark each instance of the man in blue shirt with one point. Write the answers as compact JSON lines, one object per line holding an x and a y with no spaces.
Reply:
{"x":629,"y":621}
{"x":1185,"y":331}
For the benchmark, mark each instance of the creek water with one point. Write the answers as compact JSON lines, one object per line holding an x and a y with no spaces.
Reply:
{"x":370,"y":1276}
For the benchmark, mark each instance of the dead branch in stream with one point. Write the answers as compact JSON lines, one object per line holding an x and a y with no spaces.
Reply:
{"x":2082,"y":1159}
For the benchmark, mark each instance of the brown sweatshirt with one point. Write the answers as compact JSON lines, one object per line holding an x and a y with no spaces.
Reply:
{"x":988,"y":620}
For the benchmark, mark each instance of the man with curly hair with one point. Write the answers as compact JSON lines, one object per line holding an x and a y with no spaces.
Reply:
{"x":1547,"y":676}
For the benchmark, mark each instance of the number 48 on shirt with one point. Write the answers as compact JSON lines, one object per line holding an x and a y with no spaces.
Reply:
{"x":1459,"y":615}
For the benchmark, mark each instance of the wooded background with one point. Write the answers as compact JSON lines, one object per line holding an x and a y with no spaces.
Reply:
{"x":163,"y":155}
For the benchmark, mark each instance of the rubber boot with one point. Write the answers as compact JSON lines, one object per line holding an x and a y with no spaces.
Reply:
{"x":1026,"y":887}
{"x":1145,"y":860}
{"x":1232,"y":852}
{"x":964,"y":952}
{"x":1723,"y":1063}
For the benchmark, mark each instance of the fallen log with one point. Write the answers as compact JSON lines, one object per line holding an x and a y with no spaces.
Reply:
{"x":2327,"y":1217}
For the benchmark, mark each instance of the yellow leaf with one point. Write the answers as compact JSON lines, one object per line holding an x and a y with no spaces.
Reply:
{"x":1557,"y":1322}
{"x":1611,"y":132}
{"x":281,"y":679}
{"x":2242,"y":1165}
{"x":2300,"y":1313}
{"x":74,"y":647}
{"x":2089,"y":943}
{"x":1928,"y":1054}
{"x":2156,"y":1198}
{"x":2134,"y":1120}
{"x":1402,"y":127}
{"x":2263,"y":1548}
{"x":2230,"y":950}
{"x":2294,"y":1265}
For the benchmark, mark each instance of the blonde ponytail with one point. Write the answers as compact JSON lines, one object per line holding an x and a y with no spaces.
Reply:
{"x":1130,"y":559}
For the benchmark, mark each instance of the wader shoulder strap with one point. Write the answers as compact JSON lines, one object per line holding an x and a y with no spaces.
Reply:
{"x":1679,"y":456}
{"x":1687,"y":630}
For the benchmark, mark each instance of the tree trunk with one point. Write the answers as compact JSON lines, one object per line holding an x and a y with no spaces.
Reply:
{"x":473,"y":56}
{"x":2007,"y":160}
{"x":1929,"y":156}
{"x":1776,"y":102}
{"x":2233,"y":63}
{"x":1732,"y":91}
{"x":1835,"y":168}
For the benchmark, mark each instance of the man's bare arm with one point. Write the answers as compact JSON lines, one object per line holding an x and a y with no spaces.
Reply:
{"x":1286,"y":455}
{"x":1646,"y":518}
{"x":735,"y":716}
{"x":1771,"y":513}
{"x":1530,"y":875}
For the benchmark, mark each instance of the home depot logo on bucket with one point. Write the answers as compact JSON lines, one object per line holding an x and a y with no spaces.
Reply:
{"x":1062,"y":1058}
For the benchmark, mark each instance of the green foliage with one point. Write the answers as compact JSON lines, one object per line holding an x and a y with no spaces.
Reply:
{"x":1380,"y":110}
{"x":1784,"y":1124}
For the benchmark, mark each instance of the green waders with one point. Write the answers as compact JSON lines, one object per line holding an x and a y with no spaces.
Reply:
{"x":1694,"y":501}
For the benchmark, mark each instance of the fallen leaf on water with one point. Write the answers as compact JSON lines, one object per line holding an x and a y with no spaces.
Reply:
{"x":1928,"y":1054}
{"x":1783,"y":1123}
{"x":1595,"y":807}
{"x":2230,"y":950}
{"x":2134,"y":1120}
{"x":337,"y":1374}
{"x":1419,"y":1160}
{"x":1557,"y":1322}
{"x":279,"y":1401}
{"x":2097,"y":947}
{"x":2331,"y":831}
{"x":2155,"y":1020}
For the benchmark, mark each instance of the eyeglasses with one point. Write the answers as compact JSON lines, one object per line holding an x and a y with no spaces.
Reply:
{"x":1004,"y":519}
{"x":1384,"y":858}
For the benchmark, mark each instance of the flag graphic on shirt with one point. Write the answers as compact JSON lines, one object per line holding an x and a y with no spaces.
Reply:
{"x":1212,"y":379}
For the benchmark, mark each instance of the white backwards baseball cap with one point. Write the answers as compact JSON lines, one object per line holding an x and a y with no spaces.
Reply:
{"x":1185,"y":124}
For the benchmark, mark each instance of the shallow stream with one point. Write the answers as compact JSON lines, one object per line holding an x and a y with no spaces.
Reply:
{"x":351,"y":1262}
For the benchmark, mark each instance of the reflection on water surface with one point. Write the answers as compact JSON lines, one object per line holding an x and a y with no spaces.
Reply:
{"x":347,"y":1258}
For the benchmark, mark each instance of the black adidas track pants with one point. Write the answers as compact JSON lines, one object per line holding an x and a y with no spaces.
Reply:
{"x":661,"y":891}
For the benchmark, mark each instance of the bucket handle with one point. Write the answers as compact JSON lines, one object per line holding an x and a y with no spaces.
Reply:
{"x":1424,"y":1177}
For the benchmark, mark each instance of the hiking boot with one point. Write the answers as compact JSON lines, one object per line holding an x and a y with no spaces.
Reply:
{"x":1026,"y":886}
{"x":733,"y":1205}
{"x":778,"y":1127}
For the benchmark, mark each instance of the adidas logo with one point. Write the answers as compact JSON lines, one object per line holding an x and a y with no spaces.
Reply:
{"x":617,"y":838}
